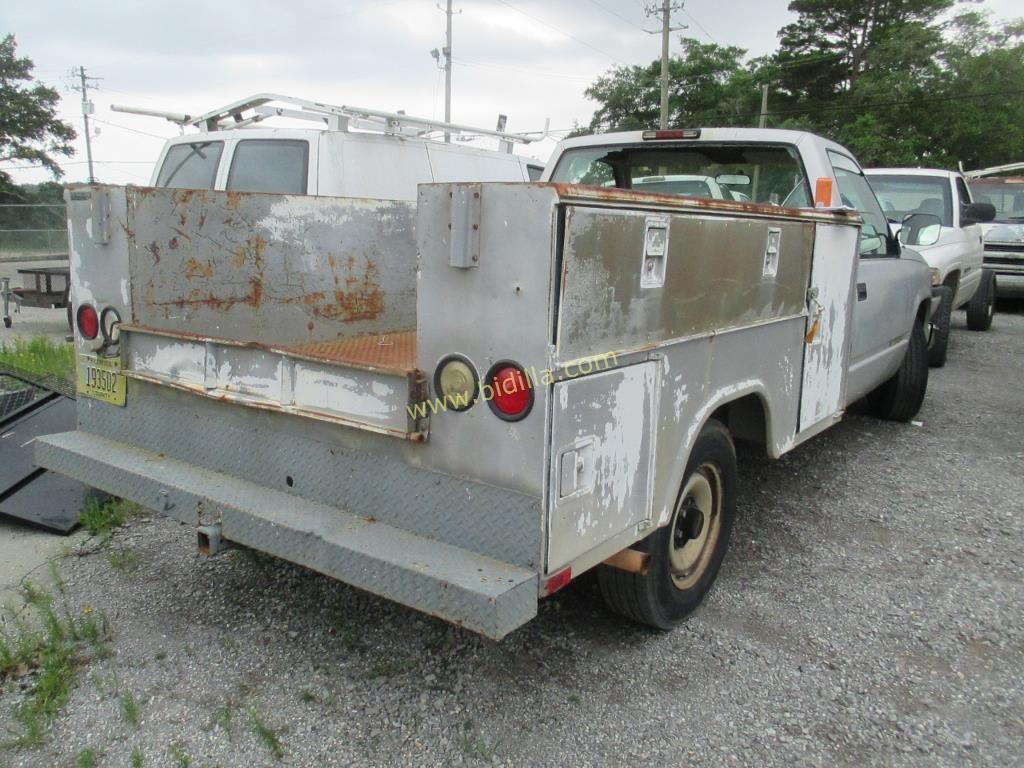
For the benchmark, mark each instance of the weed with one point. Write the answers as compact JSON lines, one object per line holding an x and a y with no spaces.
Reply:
{"x":52,"y":644}
{"x":87,"y":758}
{"x":136,"y":758}
{"x":179,"y":756}
{"x":306,"y":696}
{"x":122,"y":559}
{"x":130,"y":709}
{"x":40,"y":356}
{"x":102,"y":519}
{"x":474,"y":745}
{"x":160,"y":655}
{"x":574,"y":698}
{"x":266,"y":734}
{"x":222,"y":719}
{"x":390,"y":668}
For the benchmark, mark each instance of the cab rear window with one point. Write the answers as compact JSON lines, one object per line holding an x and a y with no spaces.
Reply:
{"x":191,"y":166}
{"x":269,"y":165}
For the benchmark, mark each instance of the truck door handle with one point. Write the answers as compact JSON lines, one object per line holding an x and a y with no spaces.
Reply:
{"x":862,"y":291}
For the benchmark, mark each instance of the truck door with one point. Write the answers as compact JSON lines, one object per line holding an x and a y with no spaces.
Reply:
{"x":830,"y":316}
{"x":883,"y":309}
{"x":602,"y":446}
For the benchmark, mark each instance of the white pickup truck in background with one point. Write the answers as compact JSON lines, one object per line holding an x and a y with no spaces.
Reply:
{"x":952,"y":246}
{"x":1004,"y":236}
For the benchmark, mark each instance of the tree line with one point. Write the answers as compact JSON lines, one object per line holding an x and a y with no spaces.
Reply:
{"x":900,"y":82}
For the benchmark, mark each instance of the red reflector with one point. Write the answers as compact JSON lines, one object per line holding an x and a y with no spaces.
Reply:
{"x":675,"y":133}
{"x":511,"y":395}
{"x":88,"y":322}
{"x":558,"y":581}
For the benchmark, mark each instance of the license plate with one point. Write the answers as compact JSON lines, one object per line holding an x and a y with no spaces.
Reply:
{"x":101,"y":378}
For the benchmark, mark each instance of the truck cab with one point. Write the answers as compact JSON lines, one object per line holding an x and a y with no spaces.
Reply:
{"x":954,"y":249}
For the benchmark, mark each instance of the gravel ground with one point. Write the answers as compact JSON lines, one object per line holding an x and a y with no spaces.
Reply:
{"x":869,"y":613}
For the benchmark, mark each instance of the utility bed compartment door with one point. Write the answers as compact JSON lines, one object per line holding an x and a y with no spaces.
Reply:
{"x":601,"y":458}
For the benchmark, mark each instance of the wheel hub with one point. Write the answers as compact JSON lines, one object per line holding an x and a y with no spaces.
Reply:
{"x":695,"y":526}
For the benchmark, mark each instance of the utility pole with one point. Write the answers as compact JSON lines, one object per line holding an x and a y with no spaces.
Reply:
{"x":87,"y":109}
{"x":448,"y":68}
{"x":763,"y":122}
{"x":667,"y":6}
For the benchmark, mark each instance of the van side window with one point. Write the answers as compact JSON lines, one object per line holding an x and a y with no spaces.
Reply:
{"x":191,"y":166}
{"x":534,"y":172}
{"x":269,"y":165}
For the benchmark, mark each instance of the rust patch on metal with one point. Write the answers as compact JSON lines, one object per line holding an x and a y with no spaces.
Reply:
{"x":360,"y":299}
{"x":173,"y":244}
{"x":391,"y":351}
{"x":615,"y":195}
{"x":196,"y":268}
{"x":154,"y":251}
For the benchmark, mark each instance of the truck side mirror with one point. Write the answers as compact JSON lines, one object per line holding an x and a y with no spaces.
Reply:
{"x":871,"y":240}
{"x":977,"y":213}
{"x":920,"y":230}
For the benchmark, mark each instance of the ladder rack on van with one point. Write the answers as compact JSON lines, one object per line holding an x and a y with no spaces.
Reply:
{"x":259,"y":107}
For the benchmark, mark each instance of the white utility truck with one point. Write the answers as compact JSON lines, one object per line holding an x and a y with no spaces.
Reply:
{"x":465,"y":402}
{"x":938,"y":204}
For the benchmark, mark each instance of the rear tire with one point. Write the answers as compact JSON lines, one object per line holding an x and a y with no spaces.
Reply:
{"x":982,"y":306}
{"x":900,"y":398}
{"x":685,"y":555}
{"x":938,"y":344}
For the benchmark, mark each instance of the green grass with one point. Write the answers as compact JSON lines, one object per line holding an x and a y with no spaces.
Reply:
{"x":87,"y":758}
{"x":48,"y":648}
{"x":130,"y":709}
{"x":179,"y":756}
{"x":122,"y":559}
{"x":266,"y":734}
{"x":40,"y":356}
{"x":102,"y":519}
{"x":136,"y":758}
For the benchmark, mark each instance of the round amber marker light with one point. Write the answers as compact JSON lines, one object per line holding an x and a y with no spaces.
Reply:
{"x":456,"y":384}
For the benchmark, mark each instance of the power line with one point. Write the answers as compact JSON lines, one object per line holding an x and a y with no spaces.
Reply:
{"x":132,"y":130}
{"x":699,"y":26}
{"x":559,"y":31}
{"x":539,"y":72}
{"x":605,"y":8}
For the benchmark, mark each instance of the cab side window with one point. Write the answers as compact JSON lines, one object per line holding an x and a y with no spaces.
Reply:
{"x":269,"y":165}
{"x":856,"y":193}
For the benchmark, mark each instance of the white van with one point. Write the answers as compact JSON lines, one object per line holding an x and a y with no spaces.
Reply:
{"x":386,"y":157}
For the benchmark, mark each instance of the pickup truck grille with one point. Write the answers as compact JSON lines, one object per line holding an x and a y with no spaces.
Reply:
{"x":1004,"y":248}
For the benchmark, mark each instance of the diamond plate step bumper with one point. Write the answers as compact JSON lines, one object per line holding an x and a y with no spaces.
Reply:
{"x":480,"y":593}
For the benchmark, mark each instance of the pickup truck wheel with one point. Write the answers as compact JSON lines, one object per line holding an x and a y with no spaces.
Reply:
{"x":982,"y":306}
{"x":938,"y":344}
{"x":686,"y":554}
{"x":900,"y":398}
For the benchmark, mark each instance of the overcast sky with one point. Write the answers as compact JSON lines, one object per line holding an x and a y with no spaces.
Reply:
{"x":528,"y":59}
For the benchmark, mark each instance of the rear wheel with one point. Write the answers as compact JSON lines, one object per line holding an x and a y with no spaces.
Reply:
{"x":685,"y":555}
{"x":938,"y":344}
{"x":900,"y":398}
{"x":982,"y":306}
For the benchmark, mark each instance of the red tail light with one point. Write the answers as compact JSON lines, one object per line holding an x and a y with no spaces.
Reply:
{"x":556,"y":582}
{"x":511,"y":391}
{"x":88,"y":322}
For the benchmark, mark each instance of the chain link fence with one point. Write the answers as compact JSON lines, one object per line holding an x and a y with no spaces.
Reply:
{"x":33,"y":230}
